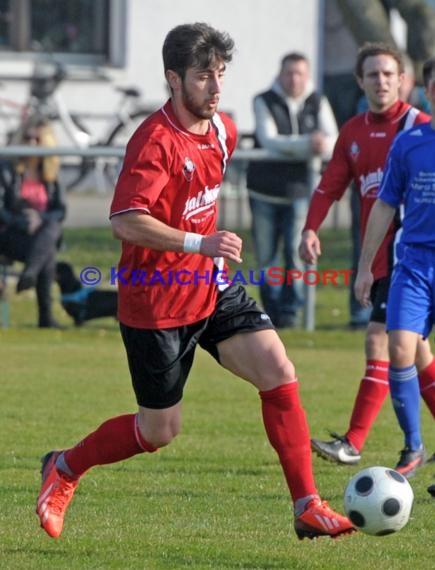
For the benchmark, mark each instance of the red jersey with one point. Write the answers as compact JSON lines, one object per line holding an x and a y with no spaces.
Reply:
{"x":175,"y":176}
{"x":359,"y":156}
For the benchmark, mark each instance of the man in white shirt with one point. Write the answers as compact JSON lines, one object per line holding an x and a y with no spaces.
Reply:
{"x":292,"y":119}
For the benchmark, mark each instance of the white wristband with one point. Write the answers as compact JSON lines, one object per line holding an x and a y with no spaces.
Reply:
{"x":192,"y":242}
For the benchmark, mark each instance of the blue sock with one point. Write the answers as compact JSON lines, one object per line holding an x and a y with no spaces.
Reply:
{"x":405,"y":395}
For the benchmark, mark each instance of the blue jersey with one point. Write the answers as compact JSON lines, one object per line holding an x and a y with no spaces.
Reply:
{"x":409,"y":180}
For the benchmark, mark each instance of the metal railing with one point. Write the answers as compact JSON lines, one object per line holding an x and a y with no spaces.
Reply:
{"x":240,"y":156}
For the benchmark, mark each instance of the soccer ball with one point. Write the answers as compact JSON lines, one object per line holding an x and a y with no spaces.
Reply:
{"x":378,"y":500}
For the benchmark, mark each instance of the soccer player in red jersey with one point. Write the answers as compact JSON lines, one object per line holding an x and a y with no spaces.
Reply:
{"x":164,"y":211}
{"x":359,"y":156}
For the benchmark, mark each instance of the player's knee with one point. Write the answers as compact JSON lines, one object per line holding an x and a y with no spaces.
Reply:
{"x":400,"y":354}
{"x":423,"y":355}
{"x":162,"y":437}
{"x":376,"y":345}
{"x":370,"y":345}
{"x":280,"y":372}
{"x":288,"y":372}
{"x":162,"y":441}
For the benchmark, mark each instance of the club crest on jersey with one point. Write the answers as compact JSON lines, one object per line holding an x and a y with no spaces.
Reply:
{"x":354,"y":151}
{"x":188,"y":168}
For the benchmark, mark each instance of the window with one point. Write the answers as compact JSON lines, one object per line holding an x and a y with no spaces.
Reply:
{"x":4,"y":23}
{"x":78,"y":26}
{"x":63,"y":27}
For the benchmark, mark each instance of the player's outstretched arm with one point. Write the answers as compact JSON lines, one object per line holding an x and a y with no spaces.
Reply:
{"x":378,"y":223}
{"x":140,"y":228}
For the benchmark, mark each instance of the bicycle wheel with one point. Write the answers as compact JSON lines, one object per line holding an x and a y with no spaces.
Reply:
{"x":120,"y":136}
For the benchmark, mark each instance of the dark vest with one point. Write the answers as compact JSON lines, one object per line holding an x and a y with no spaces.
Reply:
{"x":281,"y":179}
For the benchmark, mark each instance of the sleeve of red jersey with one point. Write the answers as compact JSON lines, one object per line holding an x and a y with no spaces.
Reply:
{"x":331,"y":187}
{"x":144,"y":174}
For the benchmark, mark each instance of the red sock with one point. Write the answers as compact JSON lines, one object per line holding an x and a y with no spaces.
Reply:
{"x":426,"y":379}
{"x":114,"y":440}
{"x":287,"y":430}
{"x":373,"y":390}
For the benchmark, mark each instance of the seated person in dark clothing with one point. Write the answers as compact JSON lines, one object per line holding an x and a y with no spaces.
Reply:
{"x":32,"y":208}
{"x":83,"y":303}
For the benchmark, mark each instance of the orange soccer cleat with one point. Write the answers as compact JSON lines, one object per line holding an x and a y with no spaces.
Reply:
{"x":56,"y":494}
{"x":319,"y":519}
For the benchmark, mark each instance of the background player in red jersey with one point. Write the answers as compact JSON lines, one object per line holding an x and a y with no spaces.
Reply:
{"x":359,"y":155}
{"x":164,"y":211}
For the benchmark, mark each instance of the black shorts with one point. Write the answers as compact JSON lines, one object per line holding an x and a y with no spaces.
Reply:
{"x":379,"y":298}
{"x":160,"y":359}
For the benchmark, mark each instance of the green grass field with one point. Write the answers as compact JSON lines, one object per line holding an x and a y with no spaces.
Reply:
{"x":215,"y":498}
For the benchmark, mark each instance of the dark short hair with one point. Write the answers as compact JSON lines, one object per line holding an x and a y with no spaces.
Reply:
{"x":371,"y":49}
{"x":293,"y":57}
{"x":428,"y":71}
{"x":195,"y":45}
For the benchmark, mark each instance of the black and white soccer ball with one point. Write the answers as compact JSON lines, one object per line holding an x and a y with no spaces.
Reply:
{"x":378,"y":500}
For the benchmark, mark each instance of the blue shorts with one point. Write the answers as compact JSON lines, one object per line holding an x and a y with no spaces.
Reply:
{"x":411,"y":299}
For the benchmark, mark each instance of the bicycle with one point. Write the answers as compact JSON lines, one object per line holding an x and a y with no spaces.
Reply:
{"x":45,"y":101}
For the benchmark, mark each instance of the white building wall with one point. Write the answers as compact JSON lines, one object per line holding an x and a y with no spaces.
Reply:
{"x":264,"y":30}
